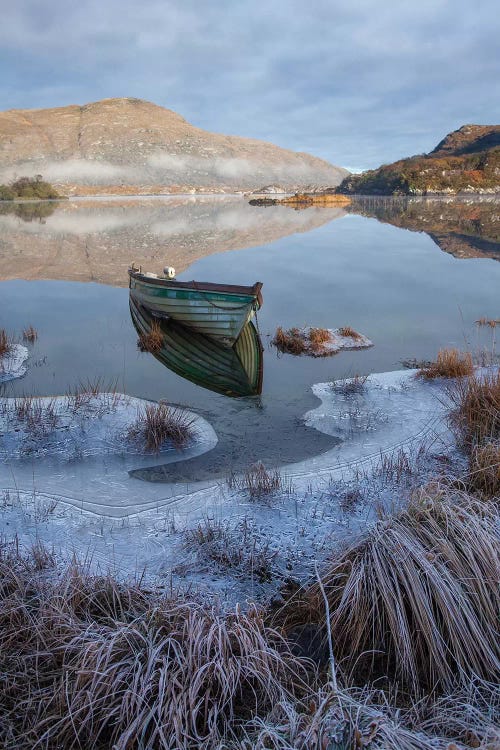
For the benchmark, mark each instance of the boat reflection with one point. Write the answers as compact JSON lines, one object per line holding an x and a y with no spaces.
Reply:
{"x":235,"y":371}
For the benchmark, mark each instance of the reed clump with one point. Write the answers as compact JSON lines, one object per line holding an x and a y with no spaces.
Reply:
{"x":450,"y":363}
{"x":289,"y":341}
{"x":39,"y":416}
{"x":87,"y":662}
{"x":158,"y":423}
{"x":5,"y":343}
{"x":152,"y":340}
{"x":475,"y":408}
{"x":30,"y":334}
{"x":484,"y":470}
{"x":260,"y":482}
{"x":348,"y":332}
{"x":416,"y":600}
{"x":238,"y":549}
{"x":348,"y":386}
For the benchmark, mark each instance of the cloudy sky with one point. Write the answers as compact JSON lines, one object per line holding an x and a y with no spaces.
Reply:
{"x":357,"y":82}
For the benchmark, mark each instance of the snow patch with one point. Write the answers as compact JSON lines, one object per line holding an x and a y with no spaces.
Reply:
{"x":12,"y":364}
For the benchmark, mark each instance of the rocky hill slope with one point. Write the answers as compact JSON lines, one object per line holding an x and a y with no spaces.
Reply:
{"x":132,"y":146}
{"x":465,"y":161}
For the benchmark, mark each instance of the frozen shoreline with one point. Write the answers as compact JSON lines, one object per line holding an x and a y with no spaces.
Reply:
{"x":86,"y":503}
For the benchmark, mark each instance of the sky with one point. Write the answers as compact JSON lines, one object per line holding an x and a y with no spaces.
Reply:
{"x":356,"y":82}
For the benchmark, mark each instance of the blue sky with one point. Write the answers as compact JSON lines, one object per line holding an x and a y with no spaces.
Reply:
{"x":356,"y":82}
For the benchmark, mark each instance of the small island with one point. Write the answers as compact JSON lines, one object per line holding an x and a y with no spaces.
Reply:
{"x":29,"y":189}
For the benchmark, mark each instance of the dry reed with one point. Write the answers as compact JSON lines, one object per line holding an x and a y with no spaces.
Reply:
{"x":260,"y":482}
{"x":450,"y":363}
{"x":238,"y":549}
{"x":348,"y":332}
{"x":289,"y":342}
{"x":158,"y":423}
{"x":331,"y":719}
{"x":417,"y":599}
{"x":86,"y":662}
{"x":30,"y":334}
{"x":152,"y":340}
{"x":475,"y":408}
{"x":484,"y":470}
{"x":6,"y":343}
{"x":348,"y":386}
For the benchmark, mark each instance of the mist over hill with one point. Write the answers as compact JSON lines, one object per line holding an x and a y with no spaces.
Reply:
{"x":129,"y":145}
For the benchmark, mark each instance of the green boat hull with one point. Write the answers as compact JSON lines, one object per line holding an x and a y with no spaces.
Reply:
{"x":207,"y":308}
{"x":232,"y":371}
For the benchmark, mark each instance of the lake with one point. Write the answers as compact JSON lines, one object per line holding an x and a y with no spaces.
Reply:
{"x":413,"y":276}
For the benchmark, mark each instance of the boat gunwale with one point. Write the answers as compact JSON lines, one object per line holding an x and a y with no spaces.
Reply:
{"x":201,"y":286}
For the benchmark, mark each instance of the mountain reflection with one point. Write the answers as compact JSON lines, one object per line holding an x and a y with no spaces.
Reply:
{"x":463,"y":227}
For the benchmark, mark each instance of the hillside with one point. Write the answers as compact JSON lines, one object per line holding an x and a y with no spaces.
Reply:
{"x":465,"y":161}
{"x":132,"y":146}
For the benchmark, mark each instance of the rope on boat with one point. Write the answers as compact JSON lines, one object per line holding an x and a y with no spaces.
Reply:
{"x":221,"y":307}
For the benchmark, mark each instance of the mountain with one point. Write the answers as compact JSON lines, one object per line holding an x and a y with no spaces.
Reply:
{"x":465,"y":161}
{"x":132,"y":146}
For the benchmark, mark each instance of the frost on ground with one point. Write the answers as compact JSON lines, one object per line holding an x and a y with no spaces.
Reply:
{"x":12,"y":364}
{"x":318,"y":342}
{"x":74,"y":491}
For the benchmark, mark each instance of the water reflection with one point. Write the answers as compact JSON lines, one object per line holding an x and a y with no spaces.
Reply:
{"x":29,"y":211}
{"x":235,"y":371}
{"x":96,"y":240}
{"x":463,"y":227}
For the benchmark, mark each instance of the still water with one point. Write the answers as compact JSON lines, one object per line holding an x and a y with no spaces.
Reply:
{"x":319,"y":267}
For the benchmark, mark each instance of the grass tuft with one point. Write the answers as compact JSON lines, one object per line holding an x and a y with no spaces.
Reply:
{"x":450,"y":363}
{"x":30,"y":334}
{"x":416,"y":600}
{"x":475,"y":409}
{"x":260,"y":482}
{"x":348,"y":386}
{"x":239,"y":549}
{"x":158,"y":423}
{"x":484,"y":470}
{"x":152,"y":340}
{"x":5,"y":343}
{"x":88,"y":662}
{"x":290,"y":341}
{"x":349,"y":332}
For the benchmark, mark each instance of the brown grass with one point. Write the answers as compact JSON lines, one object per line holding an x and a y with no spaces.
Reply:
{"x":152,"y":341}
{"x":484,"y":470}
{"x":450,"y":363}
{"x":491,"y":323}
{"x":348,"y":332}
{"x":238,"y":549}
{"x":86,"y":662}
{"x":416,"y":599}
{"x":289,"y":342}
{"x":6,"y":343}
{"x":38,"y":416}
{"x":475,"y":409}
{"x":348,"y":386}
{"x":319,"y":335}
{"x":260,"y":482}
{"x":329,"y":719}
{"x":30,"y":334}
{"x":158,"y":423}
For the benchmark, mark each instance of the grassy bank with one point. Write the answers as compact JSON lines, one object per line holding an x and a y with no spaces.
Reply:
{"x":392,"y":645}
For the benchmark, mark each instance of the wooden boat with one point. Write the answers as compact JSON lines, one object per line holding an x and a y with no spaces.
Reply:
{"x":233,"y":371}
{"x":219,"y":311}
